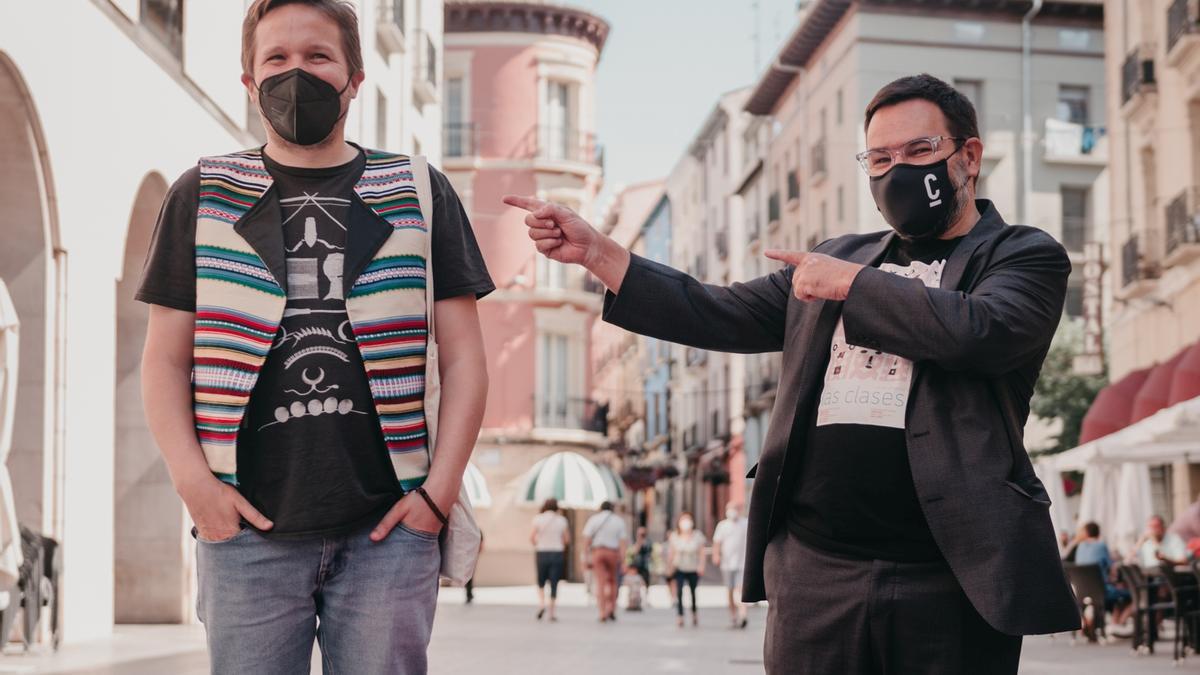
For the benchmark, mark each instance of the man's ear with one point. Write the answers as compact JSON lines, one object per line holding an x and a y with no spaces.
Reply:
{"x":251,"y":87}
{"x":355,"y":82}
{"x":973,"y":153}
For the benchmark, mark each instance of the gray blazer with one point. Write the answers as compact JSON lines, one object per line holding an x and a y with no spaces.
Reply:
{"x":977,"y":344}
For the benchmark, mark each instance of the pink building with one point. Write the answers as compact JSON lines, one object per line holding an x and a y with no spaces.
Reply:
{"x":519,"y":118}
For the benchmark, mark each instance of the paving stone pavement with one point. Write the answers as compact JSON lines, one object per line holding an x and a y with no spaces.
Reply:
{"x":499,"y":635}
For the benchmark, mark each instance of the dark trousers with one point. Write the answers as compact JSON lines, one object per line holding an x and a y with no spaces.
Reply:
{"x":832,"y":614}
{"x":550,"y":567}
{"x":691,"y":579}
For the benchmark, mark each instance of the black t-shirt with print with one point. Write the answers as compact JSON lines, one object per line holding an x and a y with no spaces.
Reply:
{"x":311,"y":455}
{"x":854,"y":495}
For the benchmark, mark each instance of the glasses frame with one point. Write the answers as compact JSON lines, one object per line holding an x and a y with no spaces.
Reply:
{"x":897,"y":155}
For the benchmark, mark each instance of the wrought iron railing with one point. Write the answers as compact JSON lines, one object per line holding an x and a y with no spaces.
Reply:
{"x":458,"y":140}
{"x":1183,"y":17}
{"x":1183,"y":220}
{"x":1137,"y":73}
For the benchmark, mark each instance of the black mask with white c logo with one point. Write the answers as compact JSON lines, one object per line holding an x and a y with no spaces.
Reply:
{"x":918,"y":201}
{"x":301,"y":107}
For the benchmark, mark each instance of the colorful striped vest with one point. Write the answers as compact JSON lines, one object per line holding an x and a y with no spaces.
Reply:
{"x":240,"y":303}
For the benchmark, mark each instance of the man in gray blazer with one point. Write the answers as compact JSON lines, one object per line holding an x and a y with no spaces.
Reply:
{"x":896,"y":525}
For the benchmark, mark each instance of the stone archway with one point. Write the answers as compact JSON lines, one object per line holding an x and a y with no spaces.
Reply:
{"x":151,"y":574}
{"x":32,"y":265}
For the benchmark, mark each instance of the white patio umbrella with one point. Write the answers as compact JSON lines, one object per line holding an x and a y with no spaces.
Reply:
{"x":477,"y":489}
{"x":613,"y":483}
{"x":1098,"y":500}
{"x":10,"y":534}
{"x":1060,"y":512}
{"x":1134,"y":507}
{"x":569,"y":477}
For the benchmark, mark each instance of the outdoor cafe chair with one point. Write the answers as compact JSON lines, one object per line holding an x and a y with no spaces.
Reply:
{"x":1088,"y":582}
{"x":1145,"y":605}
{"x":1185,"y":596}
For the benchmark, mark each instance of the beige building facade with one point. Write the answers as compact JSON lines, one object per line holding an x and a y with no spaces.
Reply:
{"x":1153,"y":262}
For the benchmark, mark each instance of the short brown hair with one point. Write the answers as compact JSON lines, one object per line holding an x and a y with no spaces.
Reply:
{"x":341,"y":12}
{"x":960,"y":114}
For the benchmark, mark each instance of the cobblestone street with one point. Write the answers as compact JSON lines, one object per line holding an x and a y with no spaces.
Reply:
{"x":499,"y":635}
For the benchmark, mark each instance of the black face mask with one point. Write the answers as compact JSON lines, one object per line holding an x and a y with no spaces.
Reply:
{"x":918,"y":201}
{"x":301,"y":107}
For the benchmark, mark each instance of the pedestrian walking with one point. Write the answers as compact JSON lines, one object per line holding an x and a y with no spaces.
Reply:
{"x":294,"y":289}
{"x":685,"y":559}
{"x":605,"y":537}
{"x":550,"y":537}
{"x":909,"y":359}
{"x":728,"y":551}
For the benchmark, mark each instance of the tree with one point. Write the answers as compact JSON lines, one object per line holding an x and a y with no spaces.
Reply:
{"x":1061,"y":393}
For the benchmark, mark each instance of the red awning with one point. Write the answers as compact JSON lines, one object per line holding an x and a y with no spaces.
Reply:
{"x":1185,"y":383}
{"x":1155,"y":393}
{"x":1113,"y":407}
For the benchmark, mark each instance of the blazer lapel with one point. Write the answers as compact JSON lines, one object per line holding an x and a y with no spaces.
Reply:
{"x":262,"y":228}
{"x":366,"y":234}
{"x":989,"y":223}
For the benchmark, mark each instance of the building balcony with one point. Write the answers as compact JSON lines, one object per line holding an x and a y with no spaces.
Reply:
{"x":722,"y":244}
{"x":425,"y":69}
{"x":1140,"y":265}
{"x":564,"y":144}
{"x":1137,"y":78}
{"x":1078,"y":144}
{"x":753,"y":228}
{"x":773,"y":211}
{"x":793,"y":189}
{"x":1183,"y":228}
{"x":458,"y":140}
{"x":389,"y":26}
{"x":1182,"y":30}
{"x":819,"y":167}
{"x":571,"y":420}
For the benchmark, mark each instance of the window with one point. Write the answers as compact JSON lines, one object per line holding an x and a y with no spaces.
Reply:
{"x":553,"y":376}
{"x":381,"y":117}
{"x":839,"y":107}
{"x":841,"y":205}
{"x":556,"y":120}
{"x":457,"y":135}
{"x":973,"y":90}
{"x":1074,"y":305}
{"x":550,"y":274}
{"x":164,"y":20}
{"x":1073,"y":104}
{"x":1074,"y":217}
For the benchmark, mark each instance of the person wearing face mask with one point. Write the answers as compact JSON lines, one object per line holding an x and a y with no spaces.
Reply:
{"x":909,"y":358}
{"x":685,"y":562}
{"x":290,"y":284}
{"x":729,"y":548}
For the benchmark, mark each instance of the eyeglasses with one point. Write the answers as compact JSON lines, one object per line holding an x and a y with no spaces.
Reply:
{"x":878,"y":161}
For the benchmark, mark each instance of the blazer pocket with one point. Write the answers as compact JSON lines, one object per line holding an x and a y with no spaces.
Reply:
{"x":1028,"y":493}
{"x":753,"y":471}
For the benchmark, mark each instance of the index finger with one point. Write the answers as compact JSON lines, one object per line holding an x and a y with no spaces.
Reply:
{"x":530,"y":204}
{"x":791,"y":257}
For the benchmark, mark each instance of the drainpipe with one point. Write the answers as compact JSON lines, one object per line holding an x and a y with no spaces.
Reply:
{"x":1027,"y":111}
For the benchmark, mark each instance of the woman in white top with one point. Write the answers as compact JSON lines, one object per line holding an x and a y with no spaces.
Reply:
{"x":550,"y":536}
{"x":685,"y":562}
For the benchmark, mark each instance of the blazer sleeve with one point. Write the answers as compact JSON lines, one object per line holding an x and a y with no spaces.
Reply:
{"x":1009,"y":317}
{"x":664,"y":303}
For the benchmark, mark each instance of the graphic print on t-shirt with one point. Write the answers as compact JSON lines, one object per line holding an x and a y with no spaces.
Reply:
{"x":868,"y":386}
{"x":315,"y":338}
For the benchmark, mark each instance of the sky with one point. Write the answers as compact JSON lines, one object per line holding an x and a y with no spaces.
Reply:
{"x":665,"y":64}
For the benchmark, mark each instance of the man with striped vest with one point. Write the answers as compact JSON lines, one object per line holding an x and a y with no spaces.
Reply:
{"x":285,"y":359}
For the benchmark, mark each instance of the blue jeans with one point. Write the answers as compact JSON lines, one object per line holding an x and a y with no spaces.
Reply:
{"x":370,"y":605}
